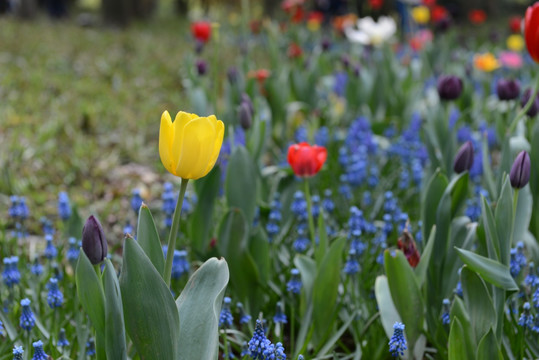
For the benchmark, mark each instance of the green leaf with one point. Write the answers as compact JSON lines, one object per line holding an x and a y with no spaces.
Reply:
{"x":388,"y":312}
{"x":458,"y":311}
{"x":523,"y":215}
{"x":430,"y":200}
{"x":74,"y":224}
{"x":201,"y":222}
{"x":478,"y":302}
{"x":487,"y":171}
{"x":148,"y":239}
{"x":457,"y":344}
{"x":490,"y":270}
{"x":10,"y":329}
{"x":325,"y":290}
{"x":405,"y":293}
{"x":458,"y":189}
{"x":233,"y":245}
{"x":240,"y":185}
{"x":115,"y":347}
{"x":421,"y":269}
{"x":337,"y":335}
{"x":488,"y":348}
{"x":322,"y":247}
{"x":150,"y":313}
{"x":259,"y":248}
{"x":493,"y":244}
{"x":504,"y":220}
{"x":90,"y":292}
{"x":307,"y":271}
{"x":199,"y":306}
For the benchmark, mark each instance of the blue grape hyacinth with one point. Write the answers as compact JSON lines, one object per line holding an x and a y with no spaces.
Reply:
{"x":27,"y":320}
{"x":397,"y":343}
{"x":294,"y":284}
{"x":55,"y":298}
{"x":62,"y":340}
{"x":64,"y":206}
{"x":244,"y":317}
{"x":39,"y":353}
{"x":226,"y":318}
{"x":18,"y":353}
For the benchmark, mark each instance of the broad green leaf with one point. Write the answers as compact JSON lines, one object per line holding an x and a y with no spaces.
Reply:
{"x":487,"y":170}
{"x":478,"y":302}
{"x":151,"y":316}
{"x":421,"y":268}
{"x":504,"y":220}
{"x":307,"y":271}
{"x":458,"y":311}
{"x":233,"y":245}
{"x":240,"y":185}
{"x":325,"y":289}
{"x":490,"y":270}
{"x":493,"y":244}
{"x":115,"y":346}
{"x":523,"y":215}
{"x":457,"y":345}
{"x":430,"y":200}
{"x":458,"y":188}
{"x":259,"y":247}
{"x":90,"y":292}
{"x":462,"y":235}
{"x":148,"y":239}
{"x":201,"y":222}
{"x":10,"y":329}
{"x":388,"y":313}
{"x":488,"y":348}
{"x":405,"y":293}
{"x":322,"y":247}
{"x":199,"y":306}
{"x":506,"y":161}
{"x":337,"y":335}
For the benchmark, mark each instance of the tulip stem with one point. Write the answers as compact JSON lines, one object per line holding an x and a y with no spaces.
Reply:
{"x":309,"y":213}
{"x":525,"y":109}
{"x":174,"y":232}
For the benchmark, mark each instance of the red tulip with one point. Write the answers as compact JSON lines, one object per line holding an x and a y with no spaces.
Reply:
{"x":438,"y":13}
{"x":531,"y":31}
{"x":306,"y":160}
{"x":477,"y":16}
{"x":201,"y":30}
{"x":376,"y":4}
{"x":514,"y":24}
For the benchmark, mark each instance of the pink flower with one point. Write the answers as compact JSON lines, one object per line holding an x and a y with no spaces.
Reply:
{"x":510,"y":59}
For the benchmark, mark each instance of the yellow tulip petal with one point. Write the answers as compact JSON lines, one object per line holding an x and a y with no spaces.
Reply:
{"x":181,"y":120}
{"x":166,"y":136}
{"x":197,"y":142}
{"x":219,"y":133}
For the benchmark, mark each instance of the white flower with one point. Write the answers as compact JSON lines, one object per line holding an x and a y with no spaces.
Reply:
{"x":370,"y":32}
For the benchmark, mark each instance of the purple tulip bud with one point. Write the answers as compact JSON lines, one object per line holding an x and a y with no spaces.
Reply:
{"x":449,"y":87}
{"x":232,"y":74}
{"x":94,"y":243}
{"x":245,"y":116}
{"x":507,"y":89}
{"x":326,"y":44}
{"x":246,"y":99}
{"x":520,"y":171}
{"x":202,"y":67}
{"x":532,"y":111}
{"x":464,"y":158}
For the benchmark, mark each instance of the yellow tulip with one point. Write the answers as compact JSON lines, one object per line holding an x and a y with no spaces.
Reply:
{"x":421,"y":14}
{"x":190,"y":145}
{"x":486,"y":62}
{"x":515,"y":42}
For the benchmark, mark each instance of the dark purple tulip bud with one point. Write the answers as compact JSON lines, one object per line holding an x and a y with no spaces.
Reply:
{"x":246,"y":99}
{"x":232,"y":74}
{"x":449,"y":87}
{"x":245,"y":116}
{"x":202,"y":67}
{"x":464,"y":158}
{"x":94,"y":243}
{"x":532,"y":111}
{"x":507,"y":89}
{"x":326,"y":44}
{"x":520,"y":171}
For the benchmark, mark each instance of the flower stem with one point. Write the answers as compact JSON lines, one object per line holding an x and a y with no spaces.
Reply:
{"x":309,"y":213}
{"x":525,"y":109}
{"x":174,"y":232}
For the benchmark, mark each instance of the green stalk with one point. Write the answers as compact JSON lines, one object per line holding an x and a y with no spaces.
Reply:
{"x":174,"y":232}
{"x":309,"y":213}
{"x":525,"y":109}
{"x":292,"y":325}
{"x":225,"y":343}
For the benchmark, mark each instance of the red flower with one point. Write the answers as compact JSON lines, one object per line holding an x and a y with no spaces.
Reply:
{"x":201,"y":30}
{"x":406,"y":244}
{"x":376,"y":4}
{"x":514,"y":24}
{"x":438,"y":13}
{"x":306,"y":160}
{"x":294,"y":51}
{"x":477,"y":16}
{"x":315,"y":16}
{"x":531,"y":31}
{"x":429,"y":3}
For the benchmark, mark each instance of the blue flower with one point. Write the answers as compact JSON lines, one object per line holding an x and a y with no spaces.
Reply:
{"x":351,"y":267}
{"x":397,"y":343}
{"x":2,"y":330}
{"x":294,"y":284}
{"x":50,"y":251}
{"x":55,"y":298}
{"x":299,"y":206}
{"x":259,"y":345}
{"x":445,"y":314}
{"x":18,"y":353}
{"x":301,"y":135}
{"x":90,"y":347}
{"x":244,"y":317}
{"x":62,"y":340}
{"x":526,"y":318}
{"x":226,"y":318}
{"x":327,"y":204}
{"x":64,"y":206}
{"x":302,"y":241}
{"x":180,"y":264}
{"x":136,"y":200}
{"x":73,"y":250}
{"x":321,"y":137}
{"x":39,"y":353}
{"x":46,"y":225}
{"x":280,"y":316}
{"x":315,"y":209}
{"x":274,"y":218}
{"x":27,"y":320}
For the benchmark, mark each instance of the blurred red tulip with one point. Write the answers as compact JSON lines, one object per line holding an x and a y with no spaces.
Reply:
{"x":306,"y":160}
{"x":201,"y":30}
{"x":429,"y":3}
{"x":477,"y":16}
{"x":407,"y":245}
{"x":294,"y":51}
{"x":438,"y":13}
{"x":515,"y":24}
{"x":531,"y":31}
{"x":376,"y":4}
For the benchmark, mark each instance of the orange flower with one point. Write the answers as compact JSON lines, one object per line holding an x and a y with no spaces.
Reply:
{"x":260,"y":75}
{"x":340,"y":22}
{"x":486,"y":62}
